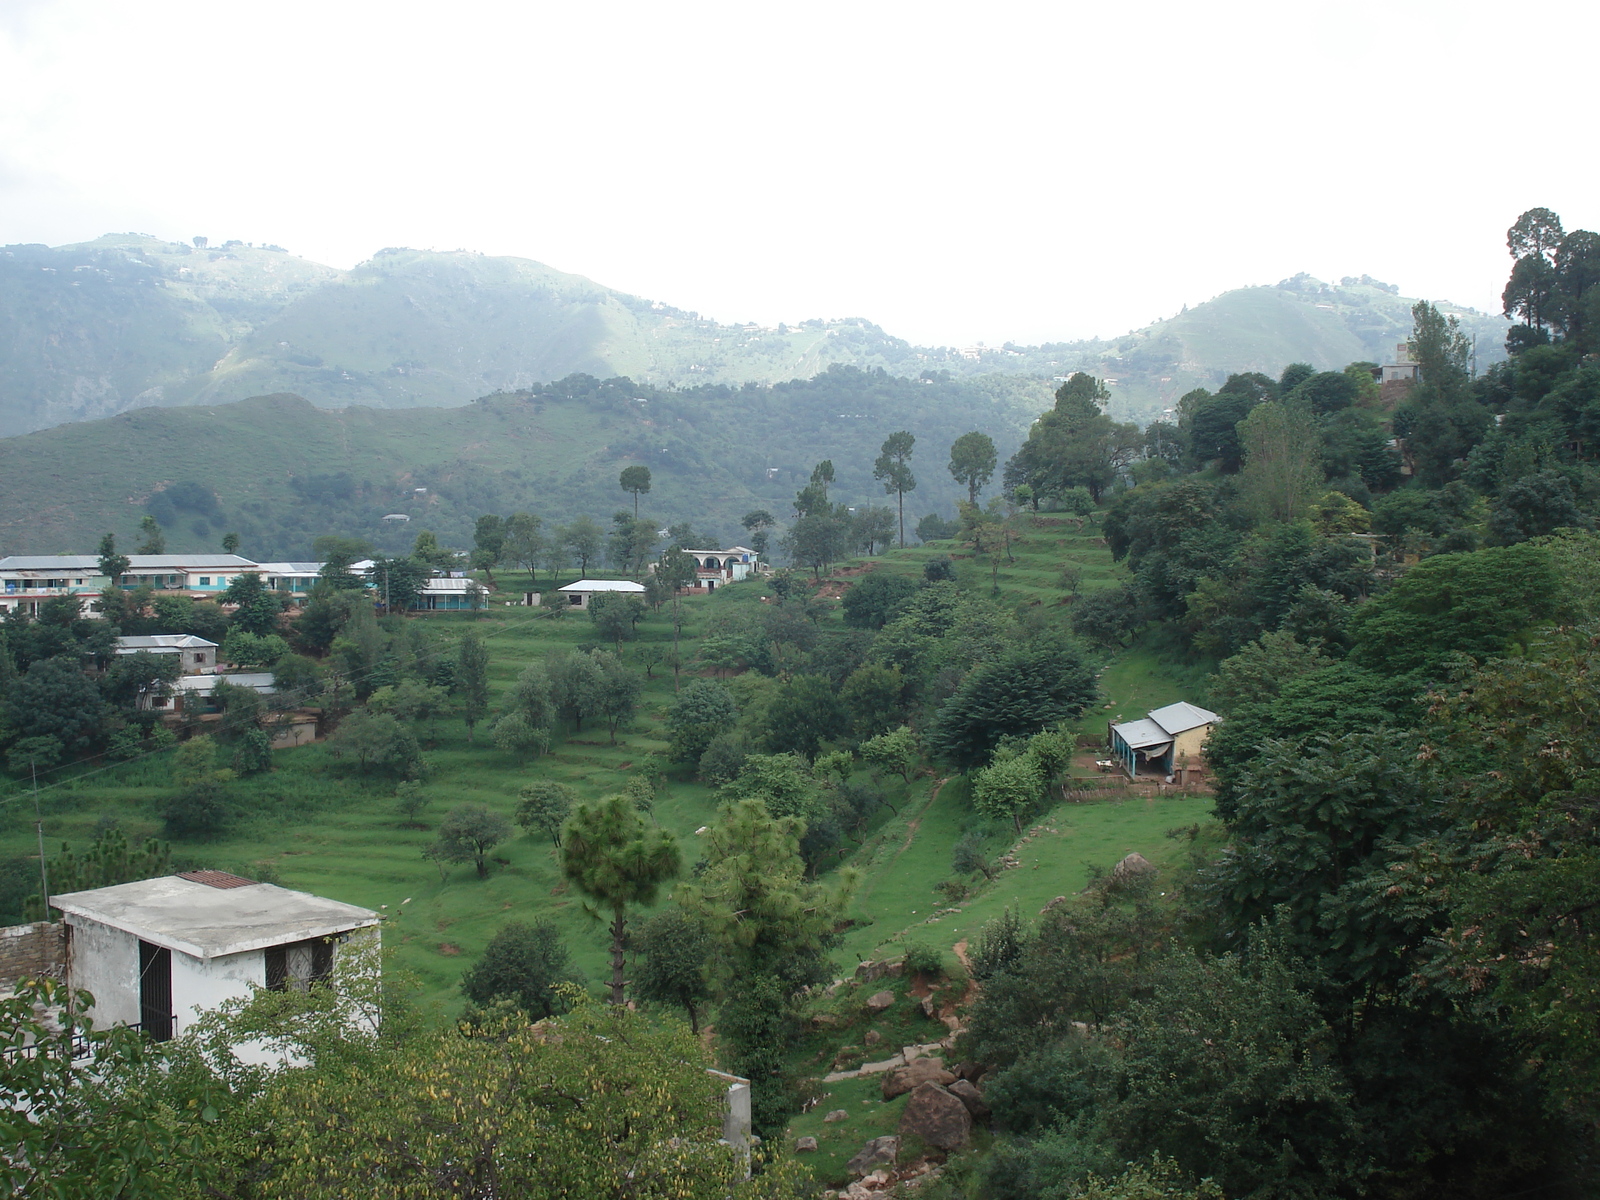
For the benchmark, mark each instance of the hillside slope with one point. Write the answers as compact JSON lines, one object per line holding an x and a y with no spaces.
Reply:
{"x":129,"y":321}
{"x":284,"y":471}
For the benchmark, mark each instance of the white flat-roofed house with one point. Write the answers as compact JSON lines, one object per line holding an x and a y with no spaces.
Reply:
{"x":579,"y":594}
{"x":158,"y":953}
{"x":197,"y":655}
{"x":713,"y":568}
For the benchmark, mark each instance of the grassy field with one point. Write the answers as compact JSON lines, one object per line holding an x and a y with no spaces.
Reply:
{"x":317,"y":825}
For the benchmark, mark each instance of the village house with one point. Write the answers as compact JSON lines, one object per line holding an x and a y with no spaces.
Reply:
{"x":1168,"y":742}
{"x":158,"y":953}
{"x":197,"y":655}
{"x":713,"y":568}
{"x":583,"y":592}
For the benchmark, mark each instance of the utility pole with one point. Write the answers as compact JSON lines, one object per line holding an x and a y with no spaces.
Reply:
{"x":38,"y":825}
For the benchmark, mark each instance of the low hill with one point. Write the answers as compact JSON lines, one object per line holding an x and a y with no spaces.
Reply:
{"x":128,"y":321}
{"x":280,"y":471}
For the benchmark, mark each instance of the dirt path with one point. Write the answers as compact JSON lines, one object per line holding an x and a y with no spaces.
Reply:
{"x":971,"y":994}
{"x":916,"y":822}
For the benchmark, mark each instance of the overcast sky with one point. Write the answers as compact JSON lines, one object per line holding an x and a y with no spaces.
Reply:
{"x":955,"y":172}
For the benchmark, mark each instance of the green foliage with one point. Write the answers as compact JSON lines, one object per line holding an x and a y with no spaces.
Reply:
{"x":245,"y":649}
{"x":468,"y":833}
{"x":1009,"y":788}
{"x":804,"y":713}
{"x":114,"y":1139}
{"x":524,"y":722}
{"x":896,"y":751}
{"x":1456,"y":604}
{"x":618,"y":863}
{"x":523,"y":963}
{"x":258,"y":608}
{"x":876,"y":599}
{"x":55,"y":699}
{"x":378,"y":741}
{"x":472,"y":680}
{"x":545,"y":804}
{"x":702,"y":710}
{"x":782,"y":782}
{"x":921,"y":960}
{"x":673,"y":952}
{"x":972,"y":462}
{"x":1028,"y":688}
{"x":1260,"y":670}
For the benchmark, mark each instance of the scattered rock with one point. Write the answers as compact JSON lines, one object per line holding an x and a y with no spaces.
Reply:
{"x":937,"y":1117}
{"x":880,"y":1001}
{"x":877,"y":1179}
{"x":872,"y":1037}
{"x":880,"y":1151}
{"x":929,"y":1008}
{"x":804,"y":1144}
{"x":913,"y":1075}
{"x":1059,"y":900}
{"x":846,"y":1054}
{"x":970,"y":1070}
{"x":871,"y":972}
{"x":825,"y":1021}
{"x":964,"y":1091}
{"x":838,"y":1114}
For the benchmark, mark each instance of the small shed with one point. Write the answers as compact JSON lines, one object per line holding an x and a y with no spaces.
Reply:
{"x":159,"y":952}
{"x":1166,"y":740}
{"x":579,"y":594}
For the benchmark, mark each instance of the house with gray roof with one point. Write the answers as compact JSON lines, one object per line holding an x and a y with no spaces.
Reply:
{"x":1165,"y":741}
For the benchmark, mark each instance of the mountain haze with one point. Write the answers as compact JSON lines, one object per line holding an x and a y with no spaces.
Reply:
{"x":129,"y":321}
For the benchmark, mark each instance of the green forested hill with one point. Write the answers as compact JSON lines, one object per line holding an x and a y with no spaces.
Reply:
{"x":284,"y":471}
{"x":129,"y":321}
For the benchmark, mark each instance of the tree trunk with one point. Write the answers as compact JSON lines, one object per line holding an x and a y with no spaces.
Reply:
{"x":901,"y":497}
{"x":483,"y":866}
{"x":619,"y":929}
{"x":694,"y":1019}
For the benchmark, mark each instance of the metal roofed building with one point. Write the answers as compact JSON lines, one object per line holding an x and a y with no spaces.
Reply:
{"x":196,"y":654}
{"x":579,"y":594}
{"x":1166,"y":740}
{"x":159,"y":952}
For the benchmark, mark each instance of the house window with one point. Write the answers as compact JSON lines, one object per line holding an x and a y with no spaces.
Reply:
{"x":575,"y":599}
{"x":205,"y":581}
{"x":299,"y":964}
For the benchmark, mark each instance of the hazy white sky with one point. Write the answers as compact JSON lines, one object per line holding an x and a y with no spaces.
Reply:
{"x":955,"y":172}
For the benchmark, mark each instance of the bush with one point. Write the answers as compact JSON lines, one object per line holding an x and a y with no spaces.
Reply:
{"x":723,"y":759}
{"x":522,"y":963}
{"x":923,"y":960}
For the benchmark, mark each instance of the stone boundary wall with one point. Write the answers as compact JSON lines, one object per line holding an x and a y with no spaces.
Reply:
{"x":30,"y":951}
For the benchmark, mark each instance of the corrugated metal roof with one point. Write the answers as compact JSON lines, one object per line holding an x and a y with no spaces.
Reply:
{"x":603,"y":585}
{"x":1176,"y":718}
{"x":137,"y":562}
{"x":164,"y":641}
{"x":216,"y":879}
{"x":1142,"y":734}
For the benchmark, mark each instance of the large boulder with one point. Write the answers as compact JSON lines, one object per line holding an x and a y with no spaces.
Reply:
{"x":964,"y":1091}
{"x":918,"y":1071}
{"x":880,"y":1001}
{"x":937,"y":1117}
{"x":879,"y":1152}
{"x":805,"y":1144}
{"x":1132,"y":867}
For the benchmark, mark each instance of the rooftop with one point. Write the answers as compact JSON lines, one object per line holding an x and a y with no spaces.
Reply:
{"x":1142,"y":734}
{"x":1176,"y":718}
{"x":206,"y":921}
{"x":137,"y":562}
{"x":603,"y":585}
{"x":163,"y":641}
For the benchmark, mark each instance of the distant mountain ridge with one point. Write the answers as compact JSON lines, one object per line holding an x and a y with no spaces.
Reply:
{"x":129,"y":321}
